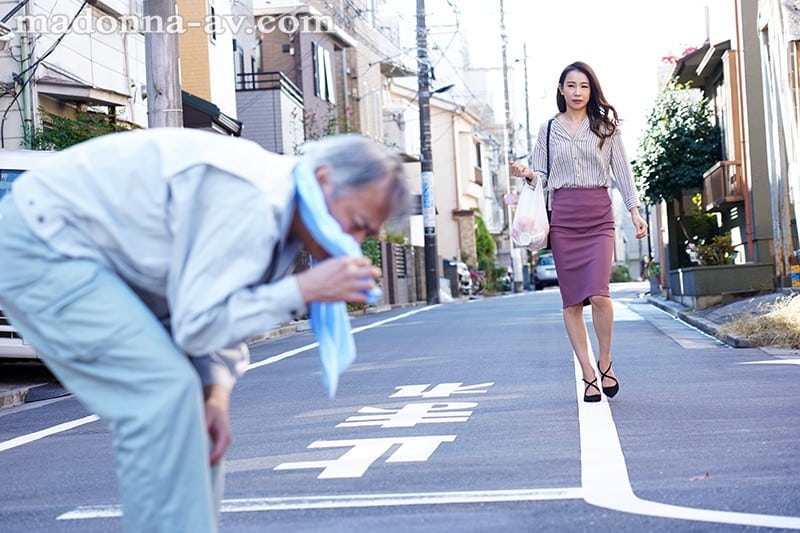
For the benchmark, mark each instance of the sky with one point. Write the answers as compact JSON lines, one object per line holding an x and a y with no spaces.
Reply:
{"x":622,"y":40}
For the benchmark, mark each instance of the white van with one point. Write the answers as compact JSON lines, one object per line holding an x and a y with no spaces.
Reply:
{"x":12,"y":164}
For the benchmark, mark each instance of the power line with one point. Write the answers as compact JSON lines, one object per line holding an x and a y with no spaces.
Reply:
{"x":31,"y":70}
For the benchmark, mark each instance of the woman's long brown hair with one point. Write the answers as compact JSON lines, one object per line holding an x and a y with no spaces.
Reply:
{"x":603,"y":119}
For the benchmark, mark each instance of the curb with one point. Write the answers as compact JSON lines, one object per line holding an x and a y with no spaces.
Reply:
{"x":706,"y":326}
{"x":15,"y":396}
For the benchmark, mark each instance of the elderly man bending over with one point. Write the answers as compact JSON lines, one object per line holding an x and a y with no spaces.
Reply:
{"x":138,"y":263}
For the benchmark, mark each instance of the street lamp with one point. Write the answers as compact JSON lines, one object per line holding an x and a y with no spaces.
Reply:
{"x":443,"y":89}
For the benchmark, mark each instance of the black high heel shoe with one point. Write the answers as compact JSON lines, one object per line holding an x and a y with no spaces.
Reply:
{"x":593,"y":397}
{"x":613,"y":389}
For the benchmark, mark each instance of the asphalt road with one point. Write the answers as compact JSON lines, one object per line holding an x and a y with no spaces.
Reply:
{"x":465,"y":416}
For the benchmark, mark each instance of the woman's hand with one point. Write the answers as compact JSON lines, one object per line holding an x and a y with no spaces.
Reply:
{"x":521,"y":171}
{"x":339,"y":279}
{"x":638,"y":223}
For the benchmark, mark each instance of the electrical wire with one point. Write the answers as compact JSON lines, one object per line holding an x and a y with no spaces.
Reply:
{"x":31,"y":71}
{"x":11,"y":13}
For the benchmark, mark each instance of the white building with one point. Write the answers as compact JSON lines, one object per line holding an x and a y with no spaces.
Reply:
{"x":69,"y":57}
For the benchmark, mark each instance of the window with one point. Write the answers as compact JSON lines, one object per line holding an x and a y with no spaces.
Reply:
{"x":323,"y":73}
{"x":212,"y":12}
{"x":238,"y":65}
{"x":255,"y":60}
{"x":478,"y":164}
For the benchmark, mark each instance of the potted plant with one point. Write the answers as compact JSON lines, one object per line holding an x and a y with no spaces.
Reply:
{"x":654,"y":275}
{"x":715,"y":273}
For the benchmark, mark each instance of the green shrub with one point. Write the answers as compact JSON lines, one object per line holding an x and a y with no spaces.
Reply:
{"x":619,"y":272}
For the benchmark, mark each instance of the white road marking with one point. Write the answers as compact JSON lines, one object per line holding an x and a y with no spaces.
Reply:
{"x":66,"y":426}
{"x":345,"y":501}
{"x":773,"y":362}
{"x":442,"y":390}
{"x":410,"y":415}
{"x":604,"y":474}
{"x":363,"y":452}
{"x":301,"y":349}
{"x":31,"y":437}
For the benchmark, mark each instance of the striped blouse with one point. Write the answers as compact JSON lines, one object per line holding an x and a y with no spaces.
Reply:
{"x":579,"y":162}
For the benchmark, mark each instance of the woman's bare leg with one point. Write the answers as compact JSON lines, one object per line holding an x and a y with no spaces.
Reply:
{"x":576,"y":331}
{"x":603,"y":321}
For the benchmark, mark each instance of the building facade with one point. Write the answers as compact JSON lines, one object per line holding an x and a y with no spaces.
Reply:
{"x":778,"y":26}
{"x":69,"y":57}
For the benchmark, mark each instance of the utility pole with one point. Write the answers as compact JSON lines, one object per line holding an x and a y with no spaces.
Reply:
{"x":426,"y":159}
{"x":514,"y":254}
{"x":527,"y":106}
{"x":25,"y":79}
{"x":164,"y":101}
{"x":509,"y":123}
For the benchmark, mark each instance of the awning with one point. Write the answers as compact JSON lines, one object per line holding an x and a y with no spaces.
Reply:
{"x":202,"y":114}
{"x":65,"y":87}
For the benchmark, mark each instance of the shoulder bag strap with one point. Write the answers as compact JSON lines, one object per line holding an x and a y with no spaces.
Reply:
{"x":549,"y":125}
{"x":549,"y":198}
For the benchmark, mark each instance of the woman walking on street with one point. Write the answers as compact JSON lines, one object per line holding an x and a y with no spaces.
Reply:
{"x":575,"y":156}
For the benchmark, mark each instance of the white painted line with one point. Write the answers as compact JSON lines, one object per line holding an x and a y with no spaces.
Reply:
{"x":604,"y":474}
{"x":392,"y":319}
{"x":301,"y":349}
{"x":364,"y":452}
{"x":26,"y":439}
{"x":30,"y":437}
{"x":249,"y":505}
{"x":773,"y":362}
{"x":282,"y":356}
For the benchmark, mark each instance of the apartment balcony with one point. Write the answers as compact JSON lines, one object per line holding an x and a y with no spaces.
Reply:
{"x":723,"y":185}
{"x":270,"y":108}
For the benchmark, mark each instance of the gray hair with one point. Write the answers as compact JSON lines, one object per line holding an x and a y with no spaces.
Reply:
{"x":355,"y":160}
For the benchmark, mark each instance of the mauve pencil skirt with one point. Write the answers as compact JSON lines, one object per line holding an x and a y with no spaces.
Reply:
{"x":582,"y":240}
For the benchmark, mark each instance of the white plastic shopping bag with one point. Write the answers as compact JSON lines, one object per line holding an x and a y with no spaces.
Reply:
{"x":530,"y":226}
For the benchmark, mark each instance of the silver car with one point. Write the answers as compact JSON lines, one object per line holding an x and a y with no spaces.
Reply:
{"x":544,"y":273}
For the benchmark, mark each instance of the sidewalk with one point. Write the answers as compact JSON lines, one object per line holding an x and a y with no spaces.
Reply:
{"x":710,"y":320}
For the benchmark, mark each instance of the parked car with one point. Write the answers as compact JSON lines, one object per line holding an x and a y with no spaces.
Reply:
{"x":544,"y":272}
{"x":12,"y":345}
{"x":12,"y":164}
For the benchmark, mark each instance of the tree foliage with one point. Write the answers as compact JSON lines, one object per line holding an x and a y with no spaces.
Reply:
{"x":484,"y":244}
{"x":680,"y":143}
{"x":59,"y":132}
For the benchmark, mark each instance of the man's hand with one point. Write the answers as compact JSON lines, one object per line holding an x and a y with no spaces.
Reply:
{"x":339,"y":279}
{"x":218,"y":422}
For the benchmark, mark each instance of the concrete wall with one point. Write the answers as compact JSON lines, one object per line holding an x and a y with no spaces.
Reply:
{"x":272,"y":119}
